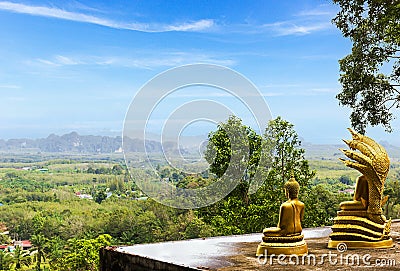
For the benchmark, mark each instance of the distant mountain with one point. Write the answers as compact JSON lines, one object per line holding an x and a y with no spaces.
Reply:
{"x":75,"y":143}
{"x":89,"y":144}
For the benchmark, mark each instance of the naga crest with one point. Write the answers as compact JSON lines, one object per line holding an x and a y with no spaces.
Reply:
{"x":371,"y":159}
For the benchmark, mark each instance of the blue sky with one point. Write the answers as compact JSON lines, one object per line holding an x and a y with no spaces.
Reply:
{"x":76,"y":65}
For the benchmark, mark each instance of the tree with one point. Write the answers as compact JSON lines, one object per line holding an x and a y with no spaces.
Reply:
{"x":345,"y":180}
{"x":282,"y":157}
{"x":55,"y":248}
{"x":279,"y":157}
{"x":370,"y":74}
{"x":82,"y":254}
{"x":6,"y":260}
{"x":192,"y":182}
{"x":321,"y":205}
{"x":236,"y":148}
{"x":39,"y":242}
{"x":392,"y":189}
{"x":100,"y":196}
{"x":4,"y":239}
{"x":21,"y":257}
{"x":117,"y":170}
{"x":220,"y":149}
{"x":286,"y":158}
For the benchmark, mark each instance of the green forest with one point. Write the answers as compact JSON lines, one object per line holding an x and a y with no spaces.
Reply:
{"x":70,"y":208}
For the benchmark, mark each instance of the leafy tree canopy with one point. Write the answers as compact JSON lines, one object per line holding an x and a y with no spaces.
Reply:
{"x":273,"y":158}
{"x":233,"y":144}
{"x":370,"y":74}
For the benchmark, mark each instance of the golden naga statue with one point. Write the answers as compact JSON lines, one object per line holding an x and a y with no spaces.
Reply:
{"x":287,"y":237}
{"x":361,"y":223}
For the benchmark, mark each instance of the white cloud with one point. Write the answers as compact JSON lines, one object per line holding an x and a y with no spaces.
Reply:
{"x":314,"y":12}
{"x":287,"y":89}
{"x":323,"y":12}
{"x":58,"y":13}
{"x":320,"y":11}
{"x":195,"y":26}
{"x":273,"y":94}
{"x":16,"y":99}
{"x":204,"y":93}
{"x":66,"y":60}
{"x":298,"y":25}
{"x":10,"y":86}
{"x":304,"y":22}
{"x":283,"y":85}
{"x":47,"y":62}
{"x":144,"y":61}
{"x":59,"y":60}
{"x":324,"y":90}
{"x":296,"y":28}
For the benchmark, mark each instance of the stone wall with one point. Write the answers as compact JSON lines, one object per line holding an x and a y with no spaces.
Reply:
{"x":112,"y":260}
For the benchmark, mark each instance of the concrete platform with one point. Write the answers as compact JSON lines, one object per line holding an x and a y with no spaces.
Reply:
{"x":195,"y":254}
{"x":237,"y":253}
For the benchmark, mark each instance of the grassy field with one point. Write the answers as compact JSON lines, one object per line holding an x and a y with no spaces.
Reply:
{"x":334,"y":169}
{"x":71,"y":167}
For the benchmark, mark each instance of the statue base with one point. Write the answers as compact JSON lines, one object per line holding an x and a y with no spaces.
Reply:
{"x":355,"y":230}
{"x":297,"y":248}
{"x":361,"y":244}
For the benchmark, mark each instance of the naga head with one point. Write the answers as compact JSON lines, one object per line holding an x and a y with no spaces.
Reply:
{"x":368,"y":157}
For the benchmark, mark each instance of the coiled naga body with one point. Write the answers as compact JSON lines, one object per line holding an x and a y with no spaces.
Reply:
{"x":372,"y":161}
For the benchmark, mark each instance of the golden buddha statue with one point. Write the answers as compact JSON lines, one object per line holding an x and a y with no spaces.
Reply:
{"x":360,"y":198}
{"x":360,"y":223}
{"x":287,"y":237}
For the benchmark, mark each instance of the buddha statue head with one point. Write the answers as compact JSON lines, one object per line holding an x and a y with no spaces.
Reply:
{"x":292,"y":188}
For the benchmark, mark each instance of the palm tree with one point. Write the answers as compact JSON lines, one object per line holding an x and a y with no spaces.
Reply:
{"x":39,"y":243}
{"x":21,"y":257}
{"x":6,"y":260}
{"x":55,"y":251}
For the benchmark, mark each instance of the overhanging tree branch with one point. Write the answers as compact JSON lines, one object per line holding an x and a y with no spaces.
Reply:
{"x":373,"y":27}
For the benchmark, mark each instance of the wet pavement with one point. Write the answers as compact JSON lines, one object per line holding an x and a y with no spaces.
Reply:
{"x":209,"y":252}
